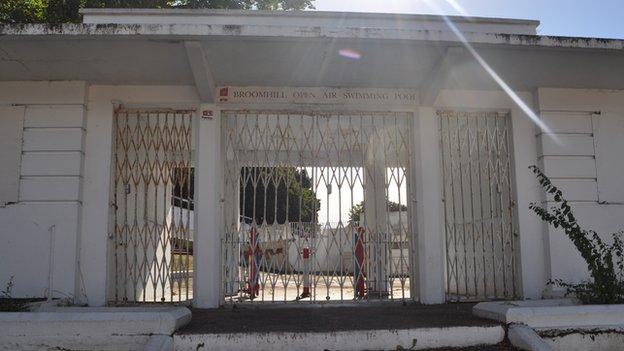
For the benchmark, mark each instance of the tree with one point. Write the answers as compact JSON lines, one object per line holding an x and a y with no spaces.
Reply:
{"x":276,"y":194}
{"x":357,"y":211}
{"x":22,"y":11}
{"x":61,"y":11}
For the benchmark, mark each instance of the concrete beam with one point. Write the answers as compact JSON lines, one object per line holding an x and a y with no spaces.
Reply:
{"x":438,"y":75}
{"x":170,"y":31}
{"x":204,"y":81}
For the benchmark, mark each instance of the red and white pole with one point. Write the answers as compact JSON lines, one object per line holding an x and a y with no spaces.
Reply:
{"x":359,"y":272}
{"x":254,"y":255}
{"x":306,"y":273}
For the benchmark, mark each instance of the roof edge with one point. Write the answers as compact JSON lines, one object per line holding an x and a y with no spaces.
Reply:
{"x":318,"y":14}
{"x":199,"y":32}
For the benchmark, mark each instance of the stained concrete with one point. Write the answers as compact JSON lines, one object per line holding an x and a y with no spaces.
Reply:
{"x":242,"y":319}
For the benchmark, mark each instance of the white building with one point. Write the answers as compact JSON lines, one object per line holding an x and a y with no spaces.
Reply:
{"x":102,"y":122}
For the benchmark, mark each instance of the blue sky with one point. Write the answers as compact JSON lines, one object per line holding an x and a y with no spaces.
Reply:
{"x":597,"y":18}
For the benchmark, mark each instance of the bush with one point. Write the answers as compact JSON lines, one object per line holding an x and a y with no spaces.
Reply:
{"x":7,"y":302}
{"x":605,"y":262}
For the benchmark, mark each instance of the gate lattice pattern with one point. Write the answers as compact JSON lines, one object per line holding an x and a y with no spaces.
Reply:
{"x":478,"y":205}
{"x":316,"y":206}
{"x":152,"y":191}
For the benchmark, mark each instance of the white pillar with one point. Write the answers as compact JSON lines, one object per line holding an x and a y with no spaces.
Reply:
{"x":532,"y":266}
{"x":426,"y":169}
{"x":207,"y":285}
{"x":375,"y":215}
{"x":95,"y":219}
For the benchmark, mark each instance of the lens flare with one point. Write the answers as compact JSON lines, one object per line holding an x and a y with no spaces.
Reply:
{"x":501,"y":83}
{"x":457,"y":7}
{"x":350,"y":53}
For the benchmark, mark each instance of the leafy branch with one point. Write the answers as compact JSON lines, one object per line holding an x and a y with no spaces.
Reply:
{"x":605,"y":262}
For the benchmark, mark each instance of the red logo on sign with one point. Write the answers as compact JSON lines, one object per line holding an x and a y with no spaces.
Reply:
{"x":223,"y":94}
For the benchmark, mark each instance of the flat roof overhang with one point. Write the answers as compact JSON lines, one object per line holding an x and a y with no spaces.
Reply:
{"x":268,"y":55}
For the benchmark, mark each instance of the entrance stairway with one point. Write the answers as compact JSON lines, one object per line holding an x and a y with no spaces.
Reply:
{"x":378,"y":326}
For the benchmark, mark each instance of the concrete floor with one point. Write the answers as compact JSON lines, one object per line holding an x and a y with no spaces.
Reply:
{"x":321,"y":318}
{"x":276,"y":287}
{"x":499,"y":347}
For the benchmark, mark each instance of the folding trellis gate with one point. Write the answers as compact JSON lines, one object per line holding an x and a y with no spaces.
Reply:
{"x":152,"y":196}
{"x":316,"y":206}
{"x":478,"y":205}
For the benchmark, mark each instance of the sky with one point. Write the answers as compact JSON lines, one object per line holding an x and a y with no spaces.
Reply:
{"x":584,"y":18}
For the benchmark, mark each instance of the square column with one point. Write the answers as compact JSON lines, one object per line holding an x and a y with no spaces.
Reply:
{"x":375,"y":219}
{"x":427,"y":178}
{"x":207,"y":283}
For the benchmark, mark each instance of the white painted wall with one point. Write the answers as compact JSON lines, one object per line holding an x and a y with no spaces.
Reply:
{"x":64,"y":180}
{"x":49,"y":188}
{"x":64,"y":143}
{"x":586,"y":162}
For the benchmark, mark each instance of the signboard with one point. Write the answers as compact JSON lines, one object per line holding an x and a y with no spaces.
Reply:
{"x":316,"y":95}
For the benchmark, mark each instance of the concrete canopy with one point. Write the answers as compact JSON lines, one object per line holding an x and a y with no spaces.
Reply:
{"x":260,"y":54}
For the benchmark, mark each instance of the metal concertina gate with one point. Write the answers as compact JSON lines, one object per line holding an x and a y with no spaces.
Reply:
{"x":478,"y":205}
{"x":316,"y":206}
{"x":152,"y":206}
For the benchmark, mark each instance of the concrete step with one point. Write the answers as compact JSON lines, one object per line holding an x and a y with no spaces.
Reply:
{"x":397,"y":339}
{"x":86,"y":328}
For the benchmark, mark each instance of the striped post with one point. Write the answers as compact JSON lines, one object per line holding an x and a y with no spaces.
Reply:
{"x":306,"y":272}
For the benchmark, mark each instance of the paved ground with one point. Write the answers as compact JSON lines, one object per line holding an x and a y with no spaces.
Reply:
{"x":238,"y":319}
{"x":288,"y":287}
{"x":500,"y":347}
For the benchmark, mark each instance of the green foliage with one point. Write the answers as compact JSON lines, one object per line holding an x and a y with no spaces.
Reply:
{"x":22,"y":11}
{"x":7,"y":303}
{"x":246,"y":4}
{"x":355,"y":213}
{"x":605,"y":262}
{"x":267,"y":193}
{"x":61,"y":11}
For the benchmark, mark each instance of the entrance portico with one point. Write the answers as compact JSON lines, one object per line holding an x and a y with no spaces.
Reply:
{"x":373,"y":117}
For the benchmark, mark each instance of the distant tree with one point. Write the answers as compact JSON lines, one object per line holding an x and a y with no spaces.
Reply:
{"x":273,"y":195}
{"x":22,"y":11}
{"x":61,"y":11}
{"x":246,"y":4}
{"x":357,"y":211}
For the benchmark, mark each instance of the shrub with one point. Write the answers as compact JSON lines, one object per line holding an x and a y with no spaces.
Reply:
{"x":7,"y":302}
{"x":605,"y":262}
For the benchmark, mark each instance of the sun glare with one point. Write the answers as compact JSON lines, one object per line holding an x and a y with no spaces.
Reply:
{"x":490,"y":71}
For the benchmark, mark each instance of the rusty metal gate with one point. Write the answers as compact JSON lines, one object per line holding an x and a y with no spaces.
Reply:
{"x":152,"y":191}
{"x":478,"y":205}
{"x":316,"y":206}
